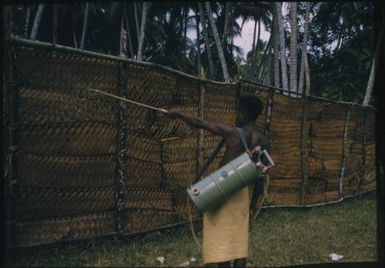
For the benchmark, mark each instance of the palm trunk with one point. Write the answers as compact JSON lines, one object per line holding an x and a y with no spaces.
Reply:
{"x":303,"y":54}
{"x":185,"y":31}
{"x":74,"y":31}
{"x":54,"y":28}
{"x":253,"y":46}
{"x":269,"y":70}
{"x":123,"y":39}
{"x":85,"y":23}
{"x":136,"y":20}
{"x":27,"y":19}
{"x":376,"y":59}
{"x":36,"y":23}
{"x":307,"y":76}
{"x":217,"y":42}
{"x":265,"y":55}
{"x":293,"y":47}
{"x":146,"y":6}
{"x":276,"y":48}
{"x":226,"y":26}
{"x":197,"y":44}
{"x":207,"y":43}
{"x":128,"y":32}
{"x":258,"y":37}
{"x":282,"y":47}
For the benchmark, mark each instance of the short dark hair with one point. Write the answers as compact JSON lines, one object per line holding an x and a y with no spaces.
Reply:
{"x":252,"y":105}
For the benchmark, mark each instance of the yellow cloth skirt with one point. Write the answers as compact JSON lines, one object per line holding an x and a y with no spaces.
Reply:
{"x":226,"y":230}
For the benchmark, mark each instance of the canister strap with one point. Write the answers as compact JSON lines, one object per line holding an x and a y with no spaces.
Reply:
{"x":243,"y":139}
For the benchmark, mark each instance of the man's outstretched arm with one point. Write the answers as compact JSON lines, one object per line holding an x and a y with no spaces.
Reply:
{"x":221,"y":129}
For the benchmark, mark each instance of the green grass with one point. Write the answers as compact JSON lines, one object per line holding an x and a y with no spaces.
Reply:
{"x":279,"y":237}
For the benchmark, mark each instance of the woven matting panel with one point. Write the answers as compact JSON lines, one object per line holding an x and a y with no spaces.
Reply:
{"x":35,"y":203}
{"x":284,"y":138}
{"x":68,"y":138}
{"x":52,"y":230}
{"x":58,"y":171}
{"x":140,"y":220}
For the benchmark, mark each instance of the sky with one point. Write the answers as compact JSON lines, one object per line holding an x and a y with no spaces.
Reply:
{"x":244,"y":41}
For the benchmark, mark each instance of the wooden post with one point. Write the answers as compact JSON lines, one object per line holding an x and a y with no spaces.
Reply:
{"x":238,"y":94}
{"x":11,"y":96}
{"x":304,"y":167}
{"x":201,"y":107}
{"x":121,"y":149}
{"x":363,"y":150}
{"x":268,"y":113}
{"x":343,"y":157}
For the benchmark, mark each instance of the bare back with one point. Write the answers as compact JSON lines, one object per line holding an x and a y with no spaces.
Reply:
{"x":235,"y":147}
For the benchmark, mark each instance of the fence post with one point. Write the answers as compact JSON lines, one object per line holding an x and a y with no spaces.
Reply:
{"x":304,"y":167}
{"x":11,"y":95}
{"x":121,"y":175}
{"x":343,"y":156}
{"x":201,"y":107}
{"x":363,"y":150}
{"x":269,"y":113}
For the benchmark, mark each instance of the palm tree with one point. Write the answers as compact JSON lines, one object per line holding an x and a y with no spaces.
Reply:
{"x":146,"y":7}
{"x":198,"y":45}
{"x":128,"y":31}
{"x":282,"y":46}
{"x":27,"y":19}
{"x":293,"y":47}
{"x":36,"y":23}
{"x":136,"y":19}
{"x":266,"y":55}
{"x":207,"y":42}
{"x":275,"y":34}
{"x":85,"y":23}
{"x":226,"y":26}
{"x":304,"y":50}
{"x":255,"y":42}
{"x":217,"y":42}
{"x":376,"y":59}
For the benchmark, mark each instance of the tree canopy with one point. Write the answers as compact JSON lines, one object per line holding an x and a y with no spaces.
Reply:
{"x":334,"y":59}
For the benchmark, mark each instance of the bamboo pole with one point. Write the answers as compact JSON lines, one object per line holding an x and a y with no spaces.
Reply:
{"x":343,"y":156}
{"x":121,"y":175}
{"x":280,"y":90}
{"x":304,"y":171}
{"x":49,"y":46}
{"x":318,"y":204}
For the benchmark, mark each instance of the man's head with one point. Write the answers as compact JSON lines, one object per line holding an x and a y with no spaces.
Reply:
{"x":250,"y":107}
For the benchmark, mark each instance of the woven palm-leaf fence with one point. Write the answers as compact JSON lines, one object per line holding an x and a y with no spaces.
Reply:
{"x":82,"y":165}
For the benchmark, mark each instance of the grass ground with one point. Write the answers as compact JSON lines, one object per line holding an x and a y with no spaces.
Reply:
{"x":279,"y":237}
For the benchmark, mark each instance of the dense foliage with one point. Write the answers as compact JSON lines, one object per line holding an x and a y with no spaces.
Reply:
{"x":339,"y":45}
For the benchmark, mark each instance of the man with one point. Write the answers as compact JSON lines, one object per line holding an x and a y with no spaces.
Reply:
{"x":225,"y":228}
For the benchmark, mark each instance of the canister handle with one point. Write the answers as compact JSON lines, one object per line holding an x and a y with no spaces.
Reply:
{"x":268,"y":158}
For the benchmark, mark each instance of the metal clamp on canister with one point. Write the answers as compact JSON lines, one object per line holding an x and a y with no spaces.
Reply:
{"x":262,"y":159}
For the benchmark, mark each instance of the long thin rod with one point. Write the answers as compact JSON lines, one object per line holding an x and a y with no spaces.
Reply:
{"x":127,"y":100}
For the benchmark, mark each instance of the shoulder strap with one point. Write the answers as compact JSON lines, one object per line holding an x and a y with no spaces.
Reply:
{"x":243,"y":138}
